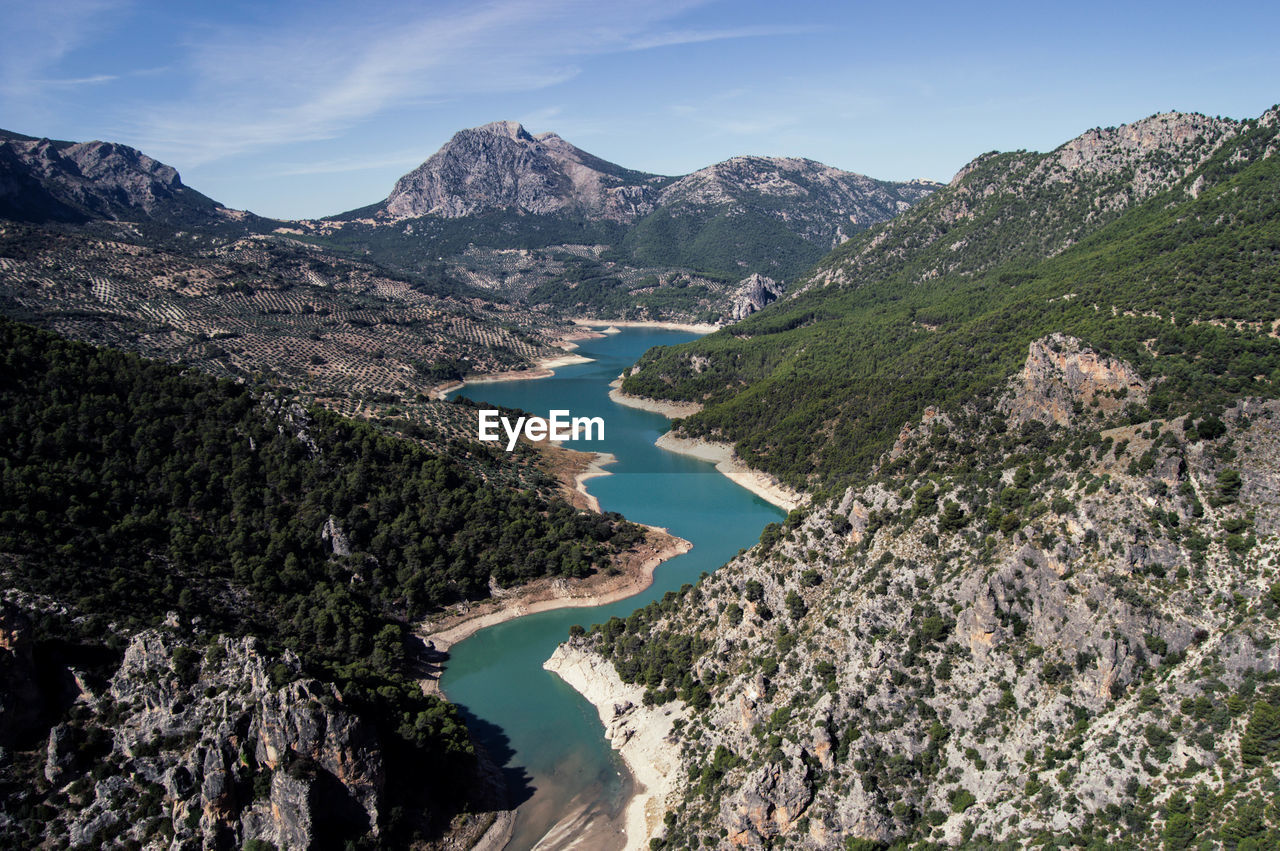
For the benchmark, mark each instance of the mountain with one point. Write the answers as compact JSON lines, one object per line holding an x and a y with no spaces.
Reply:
{"x":501,"y":166}
{"x":42,"y":180}
{"x":1033,"y":626}
{"x":811,"y":194}
{"x":1033,"y":597}
{"x":1157,"y":231}
{"x":501,"y":188}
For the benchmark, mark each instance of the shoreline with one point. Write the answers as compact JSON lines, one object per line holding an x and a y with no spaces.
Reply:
{"x":548,"y":593}
{"x":693,"y":327}
{"x":733,"y":468}
{"x":594,"y":469}
{"x":670,"y":410}
{"x":642,"y":735}
{"x":722,"y":455}
{"x":543,"y":368}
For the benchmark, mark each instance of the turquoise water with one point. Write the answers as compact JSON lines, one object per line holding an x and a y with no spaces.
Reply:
{"x":546,"y":736}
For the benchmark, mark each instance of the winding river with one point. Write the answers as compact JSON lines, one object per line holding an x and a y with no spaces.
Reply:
{"x":548,"y":739}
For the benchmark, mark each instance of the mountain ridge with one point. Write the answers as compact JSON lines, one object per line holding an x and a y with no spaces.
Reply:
{"x":502,"y":165}
{"x":76,"y":182}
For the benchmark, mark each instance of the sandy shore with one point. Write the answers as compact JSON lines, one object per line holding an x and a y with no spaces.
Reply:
{"x":722,"y":455}
{"x":593,"y":469}
{"x":639,"y":734}
{"x":636,"y":574}
{"x":670,"y":410}
{"x":696,"y":328}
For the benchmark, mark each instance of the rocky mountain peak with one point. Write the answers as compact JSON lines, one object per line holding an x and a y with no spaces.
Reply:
{"x":501,"y":166}
{"x":510,"y":129}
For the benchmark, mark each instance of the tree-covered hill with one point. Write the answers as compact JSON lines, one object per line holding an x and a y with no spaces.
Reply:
{"x":133,"y":492}
{"x":1159,"y":242}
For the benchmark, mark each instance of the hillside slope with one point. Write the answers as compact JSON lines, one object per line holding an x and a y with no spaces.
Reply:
{"x":1157,"y":243}
{"x":1032,"y":625}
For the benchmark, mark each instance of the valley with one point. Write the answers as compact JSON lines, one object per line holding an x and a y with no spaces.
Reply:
{"x":980,"y":483}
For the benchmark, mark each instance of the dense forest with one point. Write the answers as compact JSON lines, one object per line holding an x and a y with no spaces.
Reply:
{"x":131,"y":489}
{"x":814,"y":388}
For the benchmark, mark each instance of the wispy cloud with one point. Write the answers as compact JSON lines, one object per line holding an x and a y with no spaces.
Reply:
{"x":252,"y":88}
{"x":71,"y":82}
{"x":679,"y":37}
{"x":38,"y":36}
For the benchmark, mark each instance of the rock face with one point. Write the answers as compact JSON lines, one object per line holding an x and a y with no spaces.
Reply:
{"x":767,"y":804}
{"x":204,"y":745}
{"x":1063,"y":378}
{"x":45,"y":180}
{"x":753,"y":293}
{"x":501,"y":166}
{"x":1110,"y":151}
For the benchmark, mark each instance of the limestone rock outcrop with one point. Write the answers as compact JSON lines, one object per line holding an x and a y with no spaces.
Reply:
{"x":223,"y":744}
{"x":1063,"y":378}
{"x":754,"y":293}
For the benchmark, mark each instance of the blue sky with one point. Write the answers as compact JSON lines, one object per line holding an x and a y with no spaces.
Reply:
{"x":298,"y":109}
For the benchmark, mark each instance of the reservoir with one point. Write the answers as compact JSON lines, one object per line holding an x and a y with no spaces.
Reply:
{"x":546,"y":737}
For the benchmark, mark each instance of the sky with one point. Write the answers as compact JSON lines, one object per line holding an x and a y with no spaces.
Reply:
{"x":304,"y":109}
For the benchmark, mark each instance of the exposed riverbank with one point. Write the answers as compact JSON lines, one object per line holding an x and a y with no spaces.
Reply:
{"x":670,"y":410}
{"x":634,"y":574}
{"x":639,"y":733}
{"x":722,"y":455}
{"x":727,"y":462}
{"x":544,"y":368}
{"x":692,"y":327}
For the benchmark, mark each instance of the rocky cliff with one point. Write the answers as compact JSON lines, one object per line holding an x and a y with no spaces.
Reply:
{"x":211,"y":745}
{"x":753,"y":293}
{"x":1066,"y":627}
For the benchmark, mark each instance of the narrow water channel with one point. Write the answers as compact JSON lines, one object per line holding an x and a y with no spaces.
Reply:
{"x":547,"y":737}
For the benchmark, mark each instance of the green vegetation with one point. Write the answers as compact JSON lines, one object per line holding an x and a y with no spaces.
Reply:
{"x":815,"y":388}
{"x":662,"y":662}
{"x":713,"y":242}
{"x":130,"y":489}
